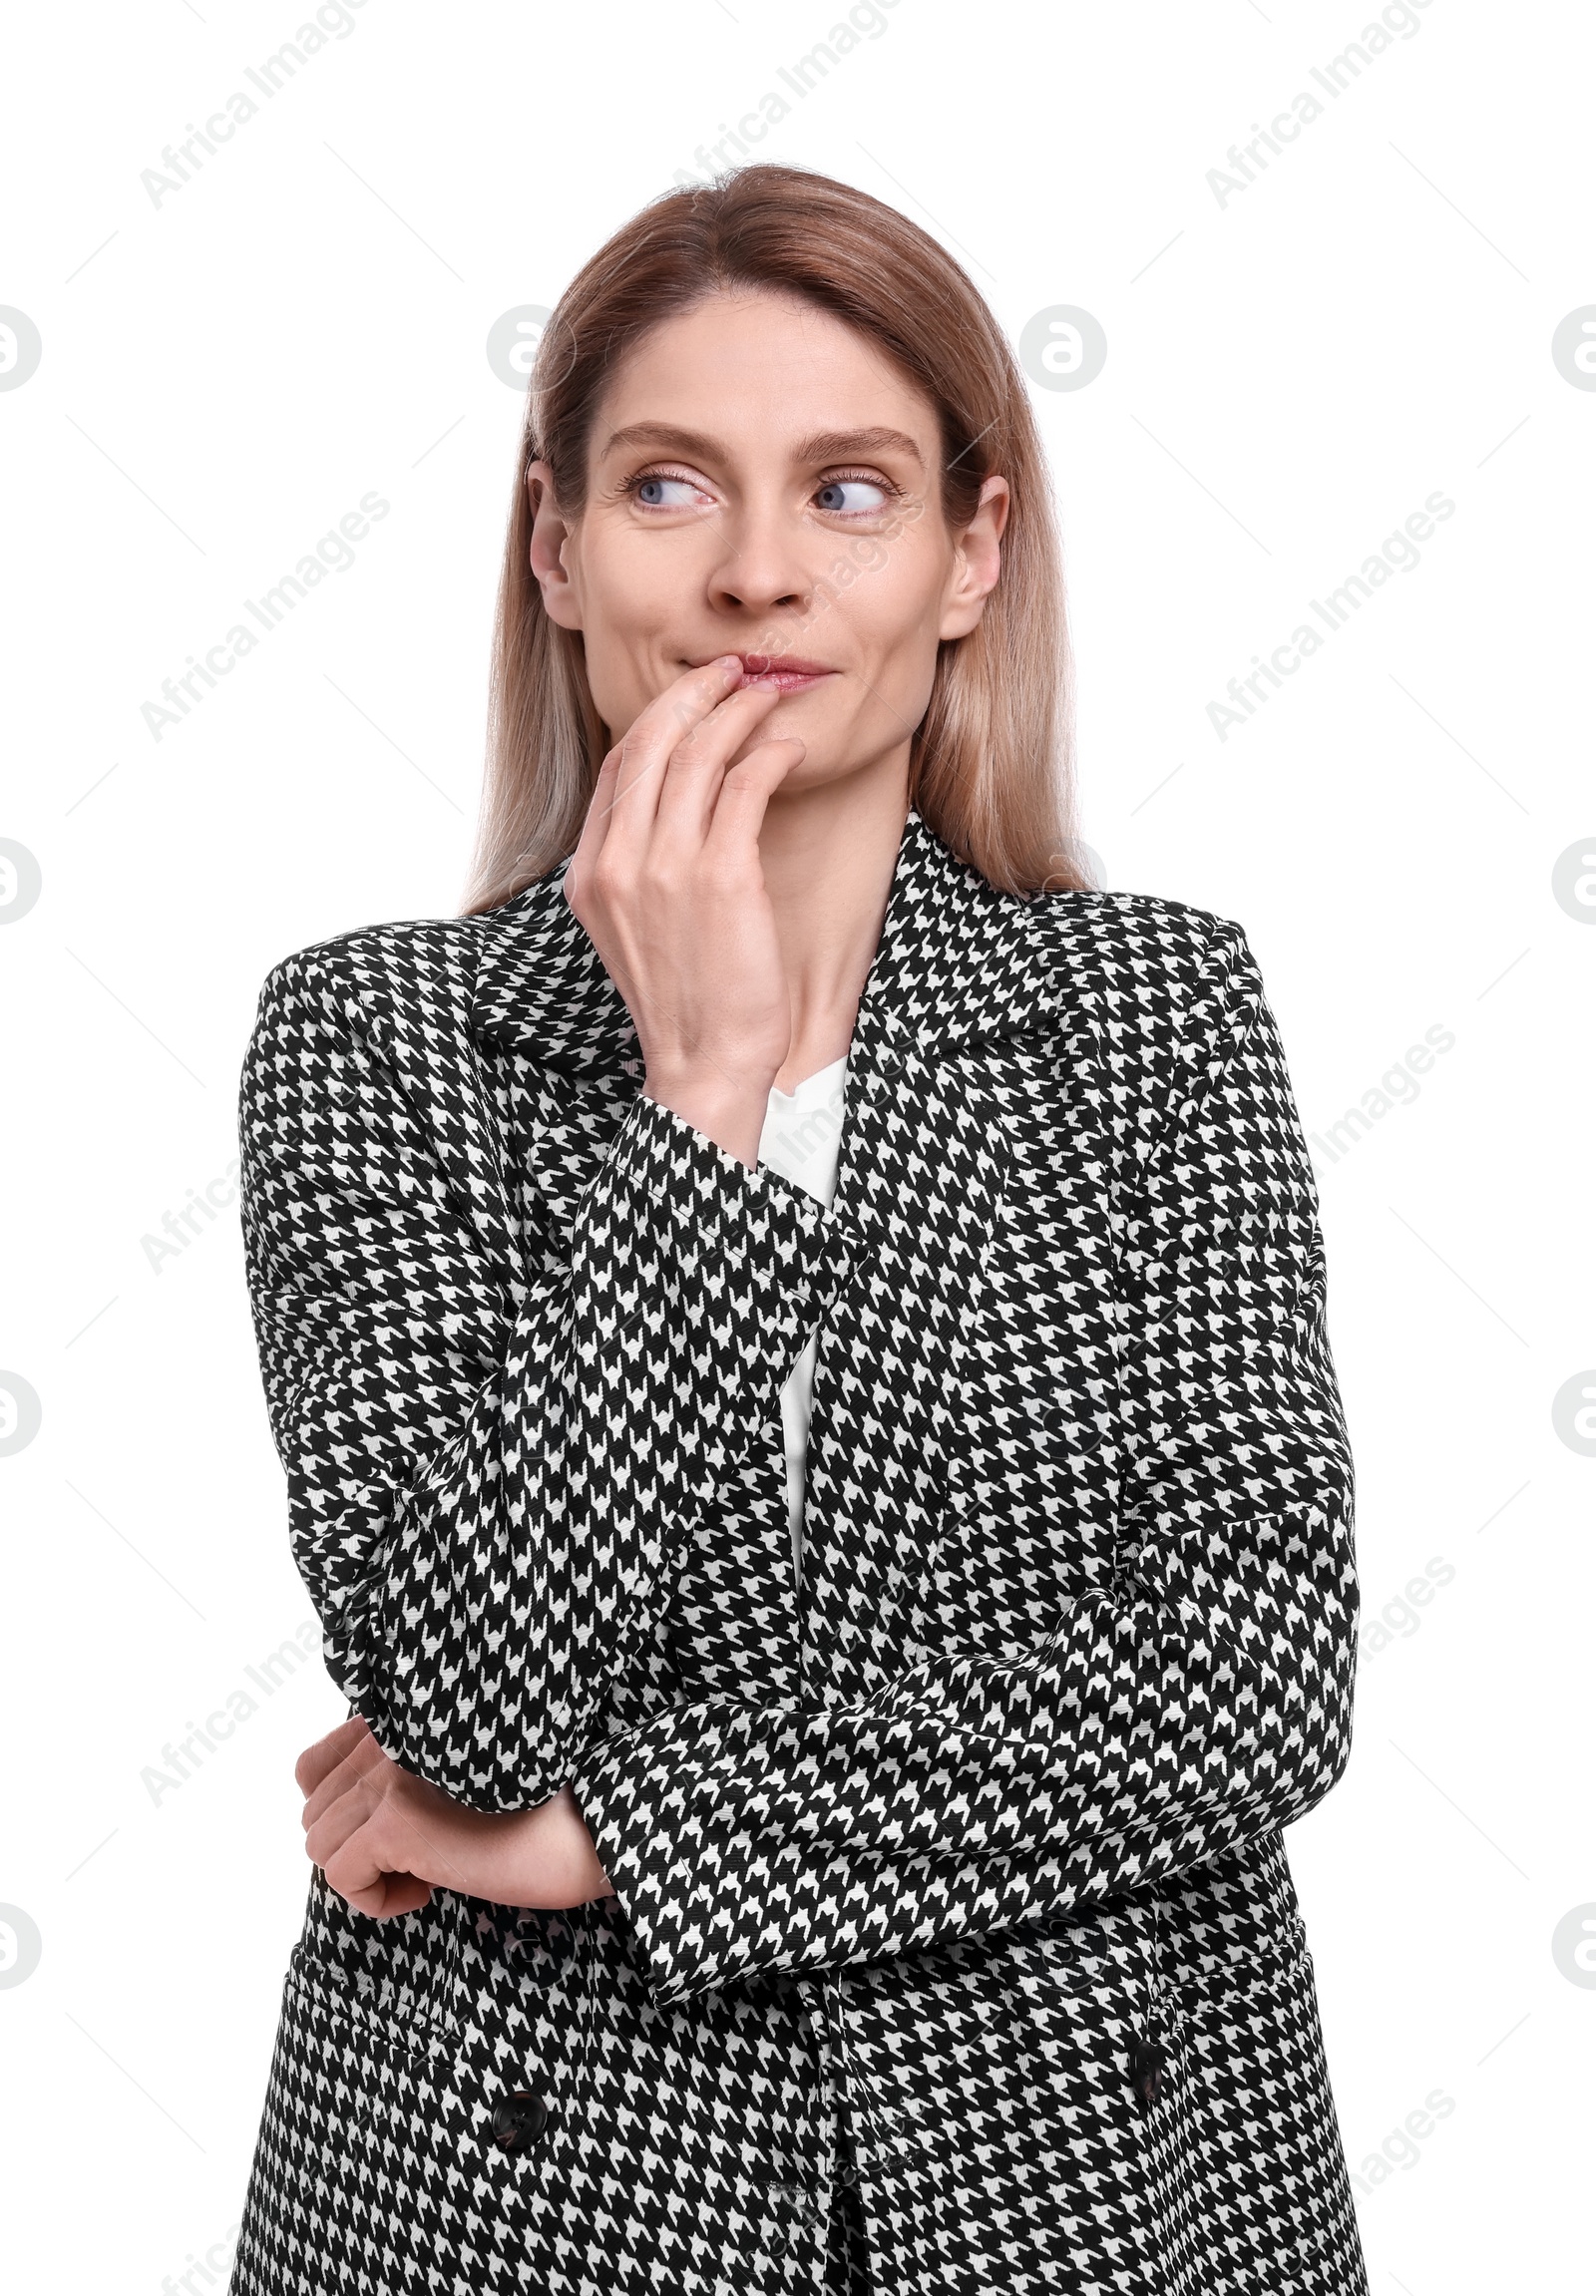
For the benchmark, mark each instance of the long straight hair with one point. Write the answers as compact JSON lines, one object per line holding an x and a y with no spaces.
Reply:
{"x":991,"y":763}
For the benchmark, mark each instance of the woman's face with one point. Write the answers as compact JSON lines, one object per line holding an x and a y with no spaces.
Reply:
{"x":762,"y":481}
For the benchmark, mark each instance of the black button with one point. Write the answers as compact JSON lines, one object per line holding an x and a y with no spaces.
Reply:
{"x":1146,"y":2064}
{"x":518,"y":2120}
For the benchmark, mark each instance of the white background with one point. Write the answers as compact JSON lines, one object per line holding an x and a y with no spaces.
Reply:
{"x":1290,"y":374}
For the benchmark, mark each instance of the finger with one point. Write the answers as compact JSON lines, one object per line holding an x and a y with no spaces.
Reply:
{"x":745,"y":793}
{"x":354,"y":1872}
{"x":337,"y":1824}
{"x":692,"y":777}
{"x":402,"y":1893}
{"x":363,"y":1761}
{"x":595,"y":822}
{"x":372,"y":1830}
{"x":389,"y":1894}
{"x":645,"y":748}
{"x":317,"y":1760}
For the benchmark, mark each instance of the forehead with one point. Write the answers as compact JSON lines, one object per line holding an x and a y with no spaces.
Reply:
{"x":761,"y":370}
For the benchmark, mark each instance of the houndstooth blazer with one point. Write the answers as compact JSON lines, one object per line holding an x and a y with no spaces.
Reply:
{"x":953,"y":1945}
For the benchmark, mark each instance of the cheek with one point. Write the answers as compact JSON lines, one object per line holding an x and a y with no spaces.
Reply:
{"x":627,"y":594}
{"x":892,"y":606}
{"x":630,"y":599}
{"x":897,"y":577}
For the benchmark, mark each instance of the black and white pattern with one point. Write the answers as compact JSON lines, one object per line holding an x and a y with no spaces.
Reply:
{"x":954,"y":1946}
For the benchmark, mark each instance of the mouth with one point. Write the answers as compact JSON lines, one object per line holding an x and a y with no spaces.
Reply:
{"x":787,"y":672}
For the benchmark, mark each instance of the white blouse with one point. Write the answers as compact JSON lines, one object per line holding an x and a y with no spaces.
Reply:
{"x":801,"y":1139}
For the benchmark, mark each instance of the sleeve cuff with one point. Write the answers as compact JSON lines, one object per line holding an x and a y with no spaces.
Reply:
{"x":671,"y":1209}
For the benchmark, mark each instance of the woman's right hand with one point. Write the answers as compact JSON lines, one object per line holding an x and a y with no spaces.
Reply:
{"x":668,"y":884}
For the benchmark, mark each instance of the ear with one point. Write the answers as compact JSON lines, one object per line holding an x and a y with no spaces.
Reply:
{"x":549,"y":534}
{"x":978,"y":561}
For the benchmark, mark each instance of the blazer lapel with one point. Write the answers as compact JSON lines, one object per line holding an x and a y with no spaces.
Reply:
{"x":958,"y":963}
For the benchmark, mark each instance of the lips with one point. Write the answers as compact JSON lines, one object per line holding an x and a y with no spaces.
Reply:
{"x":764,"y":666}
{"x":788,"y":672}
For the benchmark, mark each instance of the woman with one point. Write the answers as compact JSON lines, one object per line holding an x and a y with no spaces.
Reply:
{"x":830,"y":1655}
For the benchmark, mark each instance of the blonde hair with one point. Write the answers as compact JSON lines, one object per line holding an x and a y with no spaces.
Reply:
{"x":991,"y":762}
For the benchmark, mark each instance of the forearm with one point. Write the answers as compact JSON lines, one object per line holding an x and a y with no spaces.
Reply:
{"x":1155,"y":1726}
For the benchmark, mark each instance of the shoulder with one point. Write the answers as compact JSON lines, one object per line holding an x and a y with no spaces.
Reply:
{"x":361,"y":1037}
{"x":1167,"y":991}
{"x":1141,"y":953}
{"x":337,"y":978}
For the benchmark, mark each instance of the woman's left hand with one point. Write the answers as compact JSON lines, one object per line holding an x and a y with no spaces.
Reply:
{"x":385,"y":1840}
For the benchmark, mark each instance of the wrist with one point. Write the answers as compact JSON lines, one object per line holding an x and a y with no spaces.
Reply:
{"x":730,"y":1111}
{"x":546,"y":1858}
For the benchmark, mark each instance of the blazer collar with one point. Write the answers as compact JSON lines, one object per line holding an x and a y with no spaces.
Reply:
{"x":957,"y":964}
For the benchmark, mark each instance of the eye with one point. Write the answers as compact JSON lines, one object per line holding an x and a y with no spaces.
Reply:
{"x":852,"y":497}
{"x":665,"y":491}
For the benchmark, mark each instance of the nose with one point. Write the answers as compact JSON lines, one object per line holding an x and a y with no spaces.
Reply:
{"x":763,"y":565}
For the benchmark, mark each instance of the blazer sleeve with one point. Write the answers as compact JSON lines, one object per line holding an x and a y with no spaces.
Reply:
{"x":1198,"y":1697}
{"x":489,"y":1479}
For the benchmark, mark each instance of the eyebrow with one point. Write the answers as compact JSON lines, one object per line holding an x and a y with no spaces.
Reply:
{"x":823,"y":447}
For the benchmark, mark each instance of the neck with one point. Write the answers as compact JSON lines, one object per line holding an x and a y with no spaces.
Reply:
{"x":828,"y":855}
